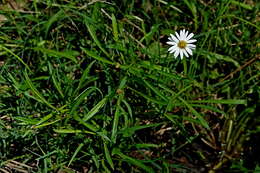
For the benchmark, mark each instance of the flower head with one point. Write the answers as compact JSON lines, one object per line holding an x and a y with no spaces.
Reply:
{"x":181,"y":44}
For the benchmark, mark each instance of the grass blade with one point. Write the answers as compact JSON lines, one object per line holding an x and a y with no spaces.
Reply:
{"x":80,"y":98}
{"x":116,"y":119}
{"x":94,"y":37}
{"x":16,"y":56}
{"x":201,"y":119}
{"x":46,"y":124}
{"x":241,"y":4}
{"x":114,"y":26}
{"x":133,"y":161}
{"x":47,"y":117}
{"x":93,"y":55}
{"x":72,"y":131}
{"x":147,"y":146}
{"x":59,"y":15}
{"x":107,"y":155}
{"x":193,"y":10}
{"x":234,"y":102}
{"x":66,"y":54}
{"x":155,"y":90}
{"x":87,"y":125}
{"x":149,"y":98}
{"x":242,"y":20}
{"x":55,"y":82}
{"x":127,"y":132}
{"x":75,"y":153}
{"x":209,"y":108}
{"x":27,"y":121}
{"x":36,"y":92}
{"x":95,"y":109}
{"x":118,"y":108}
{"x":84,"y":76}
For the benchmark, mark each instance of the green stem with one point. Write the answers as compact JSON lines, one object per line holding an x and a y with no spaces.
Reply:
{"x":185,"y":65}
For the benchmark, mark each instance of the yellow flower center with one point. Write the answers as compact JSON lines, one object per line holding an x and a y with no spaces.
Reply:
{"x":182,"y":44}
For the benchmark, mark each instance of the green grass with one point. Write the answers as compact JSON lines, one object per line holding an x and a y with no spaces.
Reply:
{"x":90,"y":86}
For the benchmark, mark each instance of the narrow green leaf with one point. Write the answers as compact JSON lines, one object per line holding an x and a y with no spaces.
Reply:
{"x":148,"y":36}
{"x":116,"y":119}
{"x":93,"y":55}
{"x":106,"y":170}
{"x":209,"y":108}
{"x":147,"y":146}
{"x":80,"y":98}
{"x":59,"y":15}
{"x":127,"y":132}
{"x":16,"y":56}
{"x":35,"y":91}
{"x":155,"y":90}
{"x":72,"y":131}
{"x":47,"y":117}
{"x":149,"y":98}
{"x":118,"y":108}
{"x":46,"y":124}
{"x":241,"y":4}
{"x":15,"y":82}
{"x":184,"y":118}
{"x":84,"y":76}
{"x":191,"y":5}
{"x":129,"y":109}
{"x":214,"y":57}
{"x":149,"y":65}
{"x":95,"y":109}
{"x":201,"y":119}
{"x":65,"y":54}
{"x":172,"y":101}
{"x":75,"y":153}
{"x":89,"y":126}
{"x":242,"y":20}
{"x":55,"y":82}
{"x":47,"y":155}
{"x":107,"y":155}
{"x":94,"y":37}
{"x":41,"y":123}
{"x":123,"y":83}
{"x":114,"y":26}
{"x":26,"y":120}
{"x":133,"y":161}
{"x":235,"y":102}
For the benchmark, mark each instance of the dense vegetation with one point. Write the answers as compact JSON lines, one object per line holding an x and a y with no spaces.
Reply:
{"x":89,"y":86}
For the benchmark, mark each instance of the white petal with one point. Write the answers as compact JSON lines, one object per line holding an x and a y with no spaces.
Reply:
{"x":185,"y":53}
{"x":192,"y":46}
{"x":186,"y":34}
{"x":191,"y":41}
{"x":171,"y":43}
{"x":181,"y":35}
{"x":172,"y":49}
{"x":181,"y":53}
{"x":183,"y":31}
{"x":190,"y":36}
{"x":176,"y":54}
{"x":177,"y":35}
{"x":188,"y":50}
{"x":174,"y":38}
{"x":170,"y":38}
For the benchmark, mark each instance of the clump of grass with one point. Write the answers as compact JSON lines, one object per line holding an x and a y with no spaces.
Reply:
{"x":89,"y":86}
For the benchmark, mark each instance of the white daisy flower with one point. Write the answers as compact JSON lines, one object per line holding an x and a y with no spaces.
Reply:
{"x":181,"y":44}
